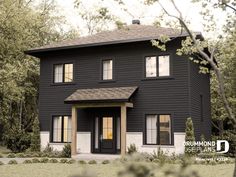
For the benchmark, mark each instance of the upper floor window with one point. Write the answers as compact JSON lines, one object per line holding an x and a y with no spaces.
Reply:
{"x":63,"y":73}
{"x":158,"y":129}
{"x":107,"y":70}
{"x":155,"y":68}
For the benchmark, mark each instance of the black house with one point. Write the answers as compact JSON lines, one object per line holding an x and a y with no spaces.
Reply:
{"x":106,"y":91}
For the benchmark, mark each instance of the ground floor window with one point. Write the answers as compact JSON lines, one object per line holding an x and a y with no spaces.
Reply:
{"x":158,"y":129}
{"x":61,"y":129}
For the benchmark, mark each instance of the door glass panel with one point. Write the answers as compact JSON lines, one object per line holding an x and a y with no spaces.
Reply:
{"x":96,"y":133}
{"x":107,"y":128}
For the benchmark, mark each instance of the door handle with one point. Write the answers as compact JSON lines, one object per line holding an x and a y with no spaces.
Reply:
{"x":100,"y":137}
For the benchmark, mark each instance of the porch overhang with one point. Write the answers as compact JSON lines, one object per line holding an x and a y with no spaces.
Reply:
{"x":101,"y":97}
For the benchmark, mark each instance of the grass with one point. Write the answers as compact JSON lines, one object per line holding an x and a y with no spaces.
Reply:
{"x":109,"y":170}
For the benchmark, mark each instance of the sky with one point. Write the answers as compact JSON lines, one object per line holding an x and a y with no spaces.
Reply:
{"x":138,"y":11}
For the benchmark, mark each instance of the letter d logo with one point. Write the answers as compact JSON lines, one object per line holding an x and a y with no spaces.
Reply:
{"x":218,"y":146}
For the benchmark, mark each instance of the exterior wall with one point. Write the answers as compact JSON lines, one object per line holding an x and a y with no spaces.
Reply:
{"x":176,"y":95}
{"x":199,"y":85}
{"x":83,"y":142}
{"x":137,"y":139}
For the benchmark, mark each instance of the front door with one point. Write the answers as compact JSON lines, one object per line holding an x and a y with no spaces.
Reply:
{"x":106,"y":132}
{"x":107,"y":135}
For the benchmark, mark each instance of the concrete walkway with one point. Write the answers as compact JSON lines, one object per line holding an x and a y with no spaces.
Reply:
{"x":97,"y":157}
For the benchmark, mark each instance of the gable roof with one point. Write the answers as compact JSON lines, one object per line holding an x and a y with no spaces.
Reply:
{"x":131,"y":33}
{"x":116,"y":94}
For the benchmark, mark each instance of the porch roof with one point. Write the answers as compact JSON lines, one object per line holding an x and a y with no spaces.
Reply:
{"x":115,"y":94}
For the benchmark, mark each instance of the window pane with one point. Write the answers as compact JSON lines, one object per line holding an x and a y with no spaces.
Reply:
{"x":164,"y":65}
{"x":58,"y":73}
{"x":107,"y":70}
{"x":67,"y":129}
{"x":151,"y":67}
{"x":165,"y":129}
{"x":57,"y":122}
{"x":151,"y":129}
{"x":107,"y":129}
{"x":96,"y":132}
{"x":118,"y":132}
{"x":68,"y":73}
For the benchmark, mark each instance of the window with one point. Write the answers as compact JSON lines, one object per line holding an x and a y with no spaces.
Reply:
{"x":107,"y":68}
{"x":158,"y":129}
{"x":63,"y":73}
{"x":164,"y":65}
{"x":61,"y":131}
{"x":151,"y":67}
{"x":107,"y":128}
{"x":157,"y":68}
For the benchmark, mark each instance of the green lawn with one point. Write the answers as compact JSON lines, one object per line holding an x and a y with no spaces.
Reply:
{"x":108,"y":170}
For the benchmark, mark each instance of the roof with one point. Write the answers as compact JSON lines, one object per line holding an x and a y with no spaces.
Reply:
{"x":115,"y":94}
{"x":131,"y":33}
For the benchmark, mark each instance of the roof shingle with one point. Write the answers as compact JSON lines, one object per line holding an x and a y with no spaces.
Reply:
{"x":131,"y":33}
{"x":101,"y":94}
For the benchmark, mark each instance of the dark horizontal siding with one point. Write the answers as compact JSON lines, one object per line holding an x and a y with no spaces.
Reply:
{"x":169,"y":96}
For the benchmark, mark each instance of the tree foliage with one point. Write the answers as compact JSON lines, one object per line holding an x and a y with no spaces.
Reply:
{"x":24,"y":24}
{"x":35,"y":137}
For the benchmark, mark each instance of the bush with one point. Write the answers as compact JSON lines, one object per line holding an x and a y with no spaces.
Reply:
{"x":71,"y":161}
{"x":27,"y":161}
{"x":44,"y":160}
{"x":92,"y":162}
{"x":66,"y":152}
{"x":17,"y":140}
{"x":190,"y":136}
{"x":1,"y":156}
{"x":63,"y":160}
{"x":35,"y":138}
{"x":53,"y":161}
{"x":47,"y":149}
{"x":82,"y":162}
{"x":105,"y":162}
{"x":20,"y":155}
{"x":11,"y":155}
{"x":12,"y":162}
{"x":132,"y":149}
{"x":35,"y":160}
{"x":1,"y":163}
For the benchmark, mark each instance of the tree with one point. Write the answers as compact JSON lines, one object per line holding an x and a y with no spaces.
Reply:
{"x":35,"y":138}
{"x":24,"y":24}
{"x":193,"y":46}
{"x":189,"y":134}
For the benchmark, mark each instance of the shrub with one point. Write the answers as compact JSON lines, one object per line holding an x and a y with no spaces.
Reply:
{"x":16,"y":139}
{"x":66,"y":152}
{"x":189,"y":131}
{"x":53,"y":161}
{"x":1,"y":163}
{"x":1,"y":156}
{"x":48,"y":149}
{"x":132,"y":149}
{"x":44,"y":160}
{"x":35,"y":138}
{"x":105,"y":162}
{"x":92,"y":162}
{"x":82,"y":162}
{"x":27,"y":161}
{"x":12,"y":162}
{"x":11,"y":155}
{"x":35,"y":160}
{"x":63,"y":160}
{"x":71,"y":161}
{"x":20,"y":155}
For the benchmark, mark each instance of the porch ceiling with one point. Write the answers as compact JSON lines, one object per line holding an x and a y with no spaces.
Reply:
{"x":98,"y":95}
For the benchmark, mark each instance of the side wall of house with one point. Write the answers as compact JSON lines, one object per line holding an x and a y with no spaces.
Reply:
{"x":200,"y":101}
